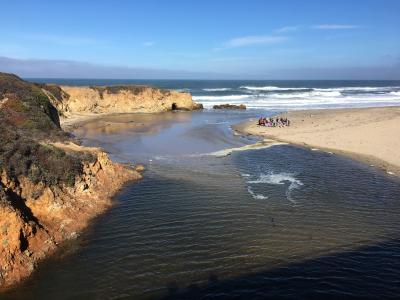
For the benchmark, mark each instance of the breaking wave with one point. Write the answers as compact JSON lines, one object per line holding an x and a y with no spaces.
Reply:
{"x":273,"y":88}
{"x":272,"y":97}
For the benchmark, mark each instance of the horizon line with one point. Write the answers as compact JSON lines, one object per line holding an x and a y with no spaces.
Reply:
{"x":203,"y":79}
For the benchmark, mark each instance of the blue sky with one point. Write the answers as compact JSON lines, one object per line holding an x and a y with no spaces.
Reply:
{"x":202,"y":39}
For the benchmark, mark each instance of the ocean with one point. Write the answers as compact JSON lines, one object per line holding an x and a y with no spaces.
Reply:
{"x":275,"y":222}
{"x":272,"y":94}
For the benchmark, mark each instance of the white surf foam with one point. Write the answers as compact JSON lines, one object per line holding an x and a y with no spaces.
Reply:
{"x":301,"y":100}
{"x":280,"y":178}
{"x":359,"y":88}
{"x":256,"y":196}
{"x":218,"y":98}
{"x":273,"y":88}
{"x":273,"y":97}
{"x":258,"y":145}
{"x":309,"y":95}
{"x":338,"y":89}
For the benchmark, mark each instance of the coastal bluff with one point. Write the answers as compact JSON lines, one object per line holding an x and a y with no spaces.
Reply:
{"x":71,"y":100}
{"x":50,"y":186}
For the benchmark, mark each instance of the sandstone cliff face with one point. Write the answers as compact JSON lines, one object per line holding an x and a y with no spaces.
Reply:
{"x":35,"y":218}
{"x":123,"y":99}
{"x":50,"y":188}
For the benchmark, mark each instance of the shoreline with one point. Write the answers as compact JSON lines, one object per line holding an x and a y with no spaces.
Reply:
{"x":74,"y":121}
{"x":70,"y":123}
{"x":63,"y":213}
{"x":370,"y":135}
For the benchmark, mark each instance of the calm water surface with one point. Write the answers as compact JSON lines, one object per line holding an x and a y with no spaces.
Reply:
{"x":274,"y":222}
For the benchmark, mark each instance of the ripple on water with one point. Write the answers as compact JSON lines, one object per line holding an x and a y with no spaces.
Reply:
{"x":192,"y":226}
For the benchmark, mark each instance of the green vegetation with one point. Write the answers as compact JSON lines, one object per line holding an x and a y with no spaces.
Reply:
{"x":56,"y":92}
{"x":115,"y":89}
{"x":20,"y":155}
{"x":26,"y":106}
{"x":27,"y":118}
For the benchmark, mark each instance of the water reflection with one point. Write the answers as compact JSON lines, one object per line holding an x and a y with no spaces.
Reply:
{"x":193,"y":230}
{"x":129,"y":124}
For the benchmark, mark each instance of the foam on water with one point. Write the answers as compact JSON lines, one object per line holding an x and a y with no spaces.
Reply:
{"x":304,"y":94}
{"x":279,"y":179}
{"x":255,"y":195}
{"x":359,"y":88}
{"x":273,"y":88}
{"x":258,"y":145}
{"x":274,"y":97}
{"x":217,"y":89}
{"x":292,"y":102}
{"x":214,"y":98}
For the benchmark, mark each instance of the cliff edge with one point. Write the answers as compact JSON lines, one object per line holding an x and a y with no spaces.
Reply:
{"x":50,"y":187}
{"x":72,"y":100}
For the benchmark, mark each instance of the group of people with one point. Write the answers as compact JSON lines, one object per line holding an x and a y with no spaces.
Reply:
{"x":273,"y":122}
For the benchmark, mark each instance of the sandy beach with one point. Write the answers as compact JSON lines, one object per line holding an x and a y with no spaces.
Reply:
{"x":371,"y":135}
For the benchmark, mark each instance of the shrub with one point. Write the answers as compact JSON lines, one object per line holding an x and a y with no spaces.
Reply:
{"x":134,"y":89}
{"x":27,"y":118}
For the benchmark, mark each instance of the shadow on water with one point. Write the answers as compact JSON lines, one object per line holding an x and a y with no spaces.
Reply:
{"x":368,"y":272}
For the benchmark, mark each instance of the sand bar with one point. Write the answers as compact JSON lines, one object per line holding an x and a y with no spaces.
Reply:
{"x":371,"y":135}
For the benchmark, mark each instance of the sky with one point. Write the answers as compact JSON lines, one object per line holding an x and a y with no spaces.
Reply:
{"x":205,"y":39}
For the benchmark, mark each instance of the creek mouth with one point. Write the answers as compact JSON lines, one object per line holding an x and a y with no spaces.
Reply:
{"x":280,"y":221}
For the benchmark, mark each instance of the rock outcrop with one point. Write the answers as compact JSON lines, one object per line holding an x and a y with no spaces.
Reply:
{"x":36,"y":218}
{"x":121,"y":99}
{"x":50,"y":187}
{"x":229,"y":106}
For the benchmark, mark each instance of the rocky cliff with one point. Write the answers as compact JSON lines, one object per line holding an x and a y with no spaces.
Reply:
{"x":50,"y":187}
{"x":120,"y":99}
{"x":35,"y":218}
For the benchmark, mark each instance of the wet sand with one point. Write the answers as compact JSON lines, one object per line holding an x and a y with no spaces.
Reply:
{"x":116,"y":121}
{"x":371,"y":135}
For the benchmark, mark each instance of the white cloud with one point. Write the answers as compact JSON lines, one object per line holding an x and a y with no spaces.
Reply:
{"x":335,"y":26}
{"x":288,"y":29}
{"x":254,"y":40}
{"x":148,"y":44}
